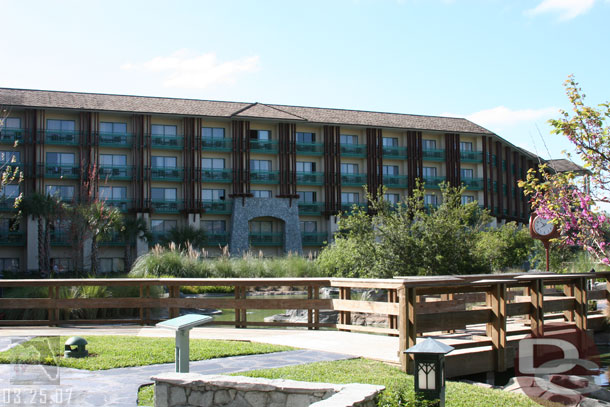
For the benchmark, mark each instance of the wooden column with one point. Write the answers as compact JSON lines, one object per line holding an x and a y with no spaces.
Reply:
{"x":536,"y":309}
{"x":580,"y":296}
{"x":406,"y":325}
{"x":485,"y":181}
{"x":332,"y":170}
{"x":496,"y":328}
{"x":374,"y":162}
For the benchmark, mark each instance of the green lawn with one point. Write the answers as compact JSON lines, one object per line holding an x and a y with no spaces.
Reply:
{"x":108,"y":352}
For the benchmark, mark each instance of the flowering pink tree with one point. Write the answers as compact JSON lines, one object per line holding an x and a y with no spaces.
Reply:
{"x":570,"y":200}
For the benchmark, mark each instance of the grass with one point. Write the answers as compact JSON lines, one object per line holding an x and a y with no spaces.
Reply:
{"x":109,"y":352}
{"x":146,"y":395}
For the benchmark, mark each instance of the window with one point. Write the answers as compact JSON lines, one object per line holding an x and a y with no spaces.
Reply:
{"x":5,"y":226}
{"x":112,"y":265}
{"x":306,"y":137}
{"x":60,"y":125}
{"x":392,"y":198}
{"x":260,"y":226}
{"x":113,"y":128}
{"x":162,"y":225}
{"x":113,"y":193}
{"x":62,"y":263}
{"x":349,"y":197}
{"x":260,"y":134}
{"x":429,"y":144}
{"x":466,"y":173}
{"x":306,"y":167}
{"x":214,"y":226}
{"x":164,"y":162}
{"x":465,"y":146}
{"x":113,"y":160}
{"x":430,"y":199}
{"x":213,"y":163}
{"x":260,"y":165}
{"x":9,"y":191}
{"x":261,"y":193}
{"x":307,"y":196}
{"x":63,"y":192}
{"x":348,"y":139}
{"x":466,"y":199}
{"x":11,"y":123}
{"x":164,"y":130}
{"x":8,"y":157}
{"x":349,"y":168}
{"x":309,"y":226}
{"x":60,"y":158}
{"x":163,"y":194}
{"x":9,"y":264}
{"x":429,"y":172}
{"x":389,"y":142}
{"x":212,"y":194}
{"x":390,"y":170}
{"x":212,"y":132}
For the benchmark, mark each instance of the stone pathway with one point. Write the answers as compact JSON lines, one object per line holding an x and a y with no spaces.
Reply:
{"x":119,"y":387}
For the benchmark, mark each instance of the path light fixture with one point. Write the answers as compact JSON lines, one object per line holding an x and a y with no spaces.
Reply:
{"x":80,"y":351}
{"x":429,"y":370}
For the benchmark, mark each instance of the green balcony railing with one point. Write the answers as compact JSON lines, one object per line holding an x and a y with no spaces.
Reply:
{"x":121,"y":204}
{"x":311,"y":208}
{"x":216,"y":144}
{"x":166,"y":206}
{"x":114,"y":240}
{"x":473,"y":184}
{"x":348,"y":207}
{"x":353,"y":179}
{"x":12,"y":238}
{"x":115,"y":172}
{"x":115,"y":139}
{"x":266,"y":239}
{"x":434,"y":154}
{"x":60,"y":238}
{"x":4,"y":167}
{"x":313,"y":238}
{"x":10,"y":136}
{"x":433,"y":182}
{"x":7,"y":204}
{"x":395,"y":181}
{"x":223,"y":175}
{"x":62,"y":137}
{"x":61,"y":171}
{"x":264,"y":177}
{"x":310,"y":148}
{"x":216,"y":239}
{"x":310,"y":178}
{"x":394,"y":152}
{"x":218,"y":206}
{"x":263,"y":146}
{"x":167,"y":142}
{"x":167,"y":174}
{"x":471,"y":156}
{"x":353,"y":150}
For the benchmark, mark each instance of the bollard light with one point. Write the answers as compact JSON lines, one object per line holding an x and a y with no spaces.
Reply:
{"x":80,"y":351}
{"x":429,"y":371}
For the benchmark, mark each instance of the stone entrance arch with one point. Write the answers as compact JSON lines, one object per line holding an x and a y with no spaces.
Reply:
{"x":250,"y":208}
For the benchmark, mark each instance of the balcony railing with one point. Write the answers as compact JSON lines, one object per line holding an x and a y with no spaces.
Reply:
{"x":224,"y":175}
{"x":473,"y":184}
{"x":166,"y":206}
{"x":115,"y":172}
{"x":114,"y":240}
{"x":12,"y":238}
{"x":433,"y":182}
{"x":63,"y":137}
{"x":313,"y":239}
{"x":471,"y":156}
{"x":353,"y":179}
{"x":4,"y":166}
{"x":310,"y":148}
{"x":394,"y":152}
{"x":115,"y":139}
{"x":167,"y":142}
{"x":61,"y":171}
{"x":216,"y":239}
{"x":216,"y":144}
{"x":60,"y":238}
{"x":395,"y":181}
{"x":434,"y":154}
{"x":264,"y":177}
{"x":218,"y":207}
{"x":348,"y":207}
{"x":121,"y":204}
{"x":10,"y":136}
{"x":263,"y":146}
{"x":353,"y":150}
{"x":167,"y":174}
{"x":7,"y":204}
{"x":311,"y":208}
{"x":266,"y":239}
{"x":310,"y":178}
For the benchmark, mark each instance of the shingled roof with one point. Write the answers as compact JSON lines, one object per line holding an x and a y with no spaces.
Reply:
{"x":208,"y":108}
{"x":563,"y":165}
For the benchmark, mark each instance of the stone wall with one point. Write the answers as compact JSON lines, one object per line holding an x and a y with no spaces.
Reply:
{"x":189,"y":389}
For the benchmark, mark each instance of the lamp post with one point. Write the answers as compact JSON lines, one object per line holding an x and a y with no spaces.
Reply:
{"x":429,"y":371}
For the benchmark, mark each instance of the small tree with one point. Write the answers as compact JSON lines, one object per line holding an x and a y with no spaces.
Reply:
{"x":182,"y":236}
{"x":101,"y":221}
{"x":130,"y":231}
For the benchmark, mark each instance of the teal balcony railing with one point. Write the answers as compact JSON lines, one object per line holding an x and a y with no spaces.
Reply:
{"x":115,"y":172}
{"x":266,"y":239}
{"x":310,"y":178}
{"x":395,"y":181}
{"x":4,"y":167}
{"x":224,"y":175}
{"x":348,"y":207}
{"x":394,"y":152}
{"x":7,"y":204}
{"x":356,"y":180}
{"x":121,"y":204}
{"x":263,"y":146}
{"x":313,"y":238}
{"x":156,"y":237}
{"x":167,"y":142}
{"x":433,"y":182}
{"x":264,"y":177}
{"x":218,"y":206}
{"x":167,"y":174}
{"x":166,"y":206}
{"x":310,"y":148}
{"x":12,"y":238}
{"x":216,"y":239}
{"x":434,"y":154}
{"x":353,"y":150}
{"x":60,"y":238}
{"x":61,"y":171}
{"x":311,"y":208}
{"x":216,"y":144}
{"x":62,"y":137}
{"x":473,"y":184}
{"x":471,"y":156}
{"x":115,"y":139}
{"x":114,"y":240}
{"x":10,"y":136}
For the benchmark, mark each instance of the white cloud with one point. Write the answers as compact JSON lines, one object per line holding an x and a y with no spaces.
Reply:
{"x":186,"y":69}
{"x":502,"y":116}
{"x":567,"y":9}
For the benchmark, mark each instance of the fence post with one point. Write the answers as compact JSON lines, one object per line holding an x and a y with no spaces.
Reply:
{"x":392,"y":319}
{"x":581,"y":303}
{"x":316,"y":318}
{"x":496,"y":328}
{"x":345,"y":317}
{"x":174,"y":292}
{"x":142,"y":322}
{"x":536,"y":289}
{"x":52,"y":311}
{"x":406,"y":325}
{"x":568,"y":291}
{"x":309,"y":310}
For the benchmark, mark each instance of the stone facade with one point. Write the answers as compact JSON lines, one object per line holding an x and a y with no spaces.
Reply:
{"x":188,"y":389}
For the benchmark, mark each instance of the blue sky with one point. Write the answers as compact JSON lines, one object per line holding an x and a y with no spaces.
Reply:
{"x":498,"y":63}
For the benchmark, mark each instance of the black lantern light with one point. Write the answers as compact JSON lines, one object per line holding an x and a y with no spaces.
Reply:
{"x":429,"y":369}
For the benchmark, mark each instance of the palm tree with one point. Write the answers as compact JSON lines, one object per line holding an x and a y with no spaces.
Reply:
{"x":130,"y":231}
{"x":101,"y":221}
{"x":182,"y":236}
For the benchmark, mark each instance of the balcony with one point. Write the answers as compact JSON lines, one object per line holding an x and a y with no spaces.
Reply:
{"x":263,"y":146}
{"x":310,"y":178}
{"x":216,"y":239}
{"x":114,"y":240}
{"x":395,"y":181}
{"x":224,"y":175}
{"x":353,"y":150}
{"x":433,"y":182}
{"x":62,"y":171}
{"x":473,"y":184}
{"x":311,"y":208}
{"x":266,"y":239}
{"x":356,"y":180}
{"x":348,"y":207}
{"x":115,"y":172}
{"x":10,"y":136}
{"x":122,"y":205}
{"x":471,"y":156}
{"x":433,"y":154}
{"x":313,"y":239}
{"x":61,"y":137}
{"x":310,"y":148}
{"x":115,"y":140}
{"x":4,"y":166}
{"x":264,"y":177}
{"x":166,"y":206}
{"x":167,"y":174}
{"x":216,"y":144}
{"x":60,"y":238}
{"x":12,"y":238}
{"x":7,"y":204}
{"x":394,"y":152}
{"x":221,"y":207}
{"x":167,"y":142}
